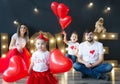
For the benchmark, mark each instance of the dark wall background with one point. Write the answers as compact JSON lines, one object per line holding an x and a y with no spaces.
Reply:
{"x":45,"y":20}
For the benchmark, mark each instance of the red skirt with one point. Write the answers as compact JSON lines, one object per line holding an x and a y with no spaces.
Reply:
{"x":42,"y":78}
{"x":4,"y":62}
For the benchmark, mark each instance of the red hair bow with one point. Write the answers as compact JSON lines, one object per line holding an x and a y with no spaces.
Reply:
{"x":42,"y":37}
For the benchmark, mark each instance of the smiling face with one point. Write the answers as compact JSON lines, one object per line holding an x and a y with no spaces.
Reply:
{"x":74,"y":37}
{"x":40,"y":44}
{"x":23,"y":29}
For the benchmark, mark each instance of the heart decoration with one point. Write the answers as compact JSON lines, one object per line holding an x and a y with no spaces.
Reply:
{"x":16,"y":69}
{"x":92,"y":51}
{"x":62,"y":10}
{"x":72,"y":47}
{"x":58,"y":62}
{"x":54,"y":6}
{"x":64,"y":22}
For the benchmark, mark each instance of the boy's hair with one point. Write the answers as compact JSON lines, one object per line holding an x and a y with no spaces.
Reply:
{"x":75,"y":33}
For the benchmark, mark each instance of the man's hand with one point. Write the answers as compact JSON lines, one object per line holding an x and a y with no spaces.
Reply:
{"x":88,"y":65}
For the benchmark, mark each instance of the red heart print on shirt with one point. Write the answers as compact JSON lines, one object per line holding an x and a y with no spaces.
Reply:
{"x":72,"y":47}
{"x":92,"y":52}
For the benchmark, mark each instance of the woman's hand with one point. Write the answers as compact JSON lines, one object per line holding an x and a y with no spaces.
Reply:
{"x":19,"y":48}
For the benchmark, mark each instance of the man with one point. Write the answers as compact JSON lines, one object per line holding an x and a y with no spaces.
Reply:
{"x":91,"y":57}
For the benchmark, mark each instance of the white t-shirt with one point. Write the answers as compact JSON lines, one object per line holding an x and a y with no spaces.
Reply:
{"x":72,"y":47}
{"x":90,"y":53}
{"x":40,"y":60}
{"x":19,"y":42}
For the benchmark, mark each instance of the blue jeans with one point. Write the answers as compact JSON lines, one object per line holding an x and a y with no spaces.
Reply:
{"x":72,"y":57}
{"x":95,"y":72}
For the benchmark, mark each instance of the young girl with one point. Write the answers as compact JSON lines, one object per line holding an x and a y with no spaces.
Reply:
{"x":39,"y":67}
{"x":18,"y":46}
{"x":72,"y":46}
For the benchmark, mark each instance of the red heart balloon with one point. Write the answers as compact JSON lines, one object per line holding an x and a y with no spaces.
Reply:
{"x":16,"y":69}
{"x":64,"y":22}
{"x":62,"y":10}
{"x":54,"y":6}
{"x":58,"y":62}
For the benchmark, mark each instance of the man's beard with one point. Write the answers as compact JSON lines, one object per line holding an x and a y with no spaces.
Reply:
{"x":91,"y":40}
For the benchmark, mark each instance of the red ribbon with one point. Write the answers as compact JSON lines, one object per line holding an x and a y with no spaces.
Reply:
{"x":42,"y":37}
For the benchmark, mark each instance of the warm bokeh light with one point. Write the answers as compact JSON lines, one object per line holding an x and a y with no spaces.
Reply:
{"x":15,"y":22}
{"x":36,"y":10}
{"x":90,"y":5}
{"x":62,"y":50}
{"x":107,"y":9}
{"x":32,"y":51}
{"x":103,"y":35}
{"x":32,"y":41}
{"x":113,"y":64}
{"x":52,"y":41}
{"x":3,"y":46}
{"x":58,"y":38}
{"x":113,"y":36}
{"x":3,"y":55}
{"x":95,"y":37}
{"x":3,"y":37}
{"x":104,"y":50}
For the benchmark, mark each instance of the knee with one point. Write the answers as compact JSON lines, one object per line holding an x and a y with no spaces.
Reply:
{"x":67,"y":55}
{"x":77,"y":66}
{"x":109,"y":67}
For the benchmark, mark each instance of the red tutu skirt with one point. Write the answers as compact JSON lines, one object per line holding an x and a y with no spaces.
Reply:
{"x":42,"y":78}
{"x":4,"y":62}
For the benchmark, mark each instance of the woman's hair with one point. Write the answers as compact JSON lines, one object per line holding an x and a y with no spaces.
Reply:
{"x":26,"y":35}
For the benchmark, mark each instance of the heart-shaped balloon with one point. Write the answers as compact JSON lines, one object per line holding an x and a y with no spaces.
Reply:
{"x":54,"y":6}
{"x":16,"y":69}
{"x":64,"y":22}
{"x":62,"y":10}
{"x":58,"y":62}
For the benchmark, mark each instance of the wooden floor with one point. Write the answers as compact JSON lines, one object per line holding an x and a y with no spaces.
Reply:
{"x":73,"y":77}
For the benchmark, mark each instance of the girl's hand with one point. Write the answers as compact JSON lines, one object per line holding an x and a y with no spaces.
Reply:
{"x":64,"y":33}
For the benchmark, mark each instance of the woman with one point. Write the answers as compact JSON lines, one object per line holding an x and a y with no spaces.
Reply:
{"x":18,"y":46}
